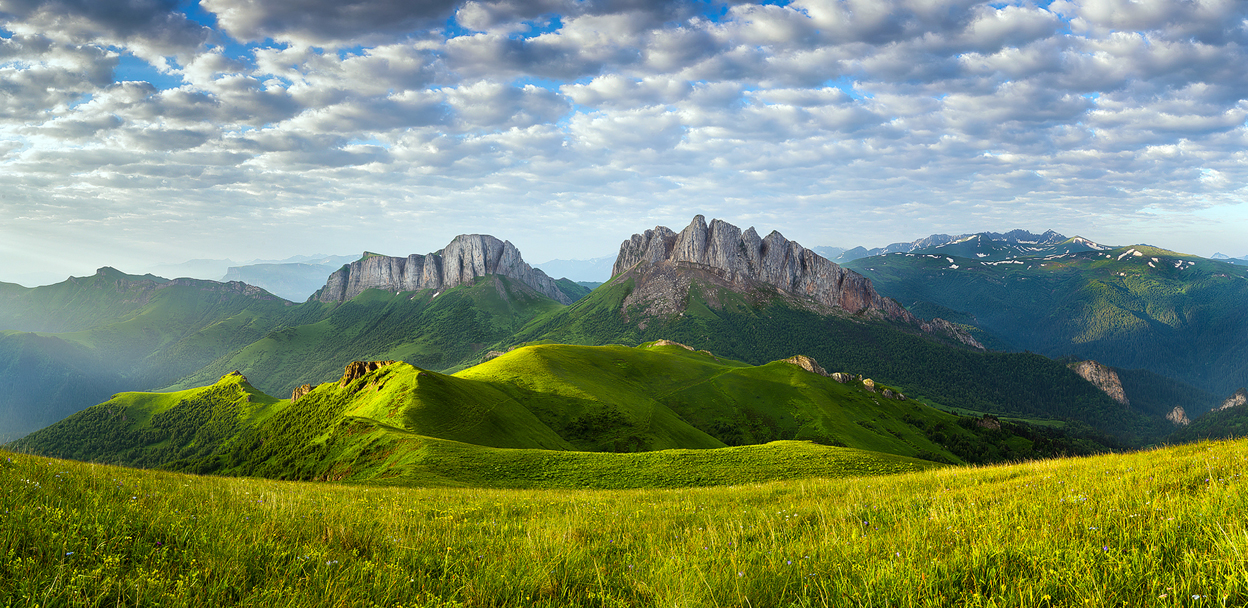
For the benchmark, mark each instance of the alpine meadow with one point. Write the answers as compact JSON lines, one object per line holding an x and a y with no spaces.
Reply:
{"x":846,"y":303}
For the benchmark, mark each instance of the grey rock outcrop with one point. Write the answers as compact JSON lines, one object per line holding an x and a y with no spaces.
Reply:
{"x":1102,"y":377}
{"x":1178,"y":417}
{"x":953,"y":331}
{"x":466,"y":258}
{"x":743,"y":260}
{"x":807,"y":363}
{"x":1239,"y":398}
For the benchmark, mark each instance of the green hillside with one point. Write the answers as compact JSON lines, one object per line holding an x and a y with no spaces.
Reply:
{"x":151,"y":429}
{"x":1157,"y":528}
{"x":392,"y":421}
{"x":1019,"y":385}
{"x":432,"y":330}
{"x":1135,"y":307}
{"x":77,"y":303}
{"x":140,"y":334}
{"x":1224,"y":424}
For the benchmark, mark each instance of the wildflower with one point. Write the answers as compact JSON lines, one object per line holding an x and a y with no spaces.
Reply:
{"x":69,"y":554}
{"x":740,"y":574}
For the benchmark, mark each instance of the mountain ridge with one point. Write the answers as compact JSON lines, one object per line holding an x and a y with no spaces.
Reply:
{"x":466,"y":258}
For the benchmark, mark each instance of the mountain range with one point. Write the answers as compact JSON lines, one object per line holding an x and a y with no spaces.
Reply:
{"x":907,"y":319}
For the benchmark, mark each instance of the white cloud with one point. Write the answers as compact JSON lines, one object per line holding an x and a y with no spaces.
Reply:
{"x":888,"y":112}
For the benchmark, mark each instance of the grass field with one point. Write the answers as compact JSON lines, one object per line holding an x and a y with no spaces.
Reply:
{"x":1159,"y":528}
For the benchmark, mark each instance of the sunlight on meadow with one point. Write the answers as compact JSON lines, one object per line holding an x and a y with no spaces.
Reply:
{"x":1157,"y":528}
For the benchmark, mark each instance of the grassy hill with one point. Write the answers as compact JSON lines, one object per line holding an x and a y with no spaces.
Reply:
{"x":432,"y":330}
{"x":735,"y":325}
{"x":77,"y":303}
{"x":1135,"y":307}
{"x":391,"y":421}
{"x":1158,"y":528}
{"x":128,"y":333}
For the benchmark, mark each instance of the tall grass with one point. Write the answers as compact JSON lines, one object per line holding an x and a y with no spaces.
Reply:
{"x":1158,"y":528}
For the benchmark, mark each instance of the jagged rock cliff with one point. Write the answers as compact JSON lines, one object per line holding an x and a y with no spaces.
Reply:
{"x":1239,"y":398}
{"x":1178,"y":417}
{"x":467,"y":257}
{"x":1103,"y":377}
{"x":743,"y":260}
{"x":663,"y":264}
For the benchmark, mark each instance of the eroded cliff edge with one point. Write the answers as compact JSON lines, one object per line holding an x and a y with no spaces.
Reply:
{"x":466,"y":258}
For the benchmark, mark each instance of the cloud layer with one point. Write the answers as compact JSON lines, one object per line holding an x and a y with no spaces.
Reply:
{"x":266,"y":128}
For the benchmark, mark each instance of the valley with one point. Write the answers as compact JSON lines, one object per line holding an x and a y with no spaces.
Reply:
{"x":462,"y":429}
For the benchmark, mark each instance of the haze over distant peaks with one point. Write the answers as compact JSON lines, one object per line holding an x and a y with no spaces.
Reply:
{"x":1015,"y":241}
{"x":467,"y":257}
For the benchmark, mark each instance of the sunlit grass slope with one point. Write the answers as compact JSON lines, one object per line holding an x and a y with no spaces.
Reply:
{"x":1161,"y":528}
{"x":1021,"y":385}
{"x":431,"y":330}
{"x":617,"y":398}
{"x":151,"y":429}
{"x":401,"y":424}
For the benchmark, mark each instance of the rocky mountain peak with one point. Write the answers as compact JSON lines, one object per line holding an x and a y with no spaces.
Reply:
{"x":719,"y":251}
{"x":467,"y":257}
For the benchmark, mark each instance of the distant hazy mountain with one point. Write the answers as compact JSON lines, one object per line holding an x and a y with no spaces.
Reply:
{"x":111,"y":332}
{"x":214,"y":270}
{"x":1019,"y":239}
{"x":594,"y":270}
{"x":828,"y":252}
{"x":293,"y":280}
{"x":1241,"y":261}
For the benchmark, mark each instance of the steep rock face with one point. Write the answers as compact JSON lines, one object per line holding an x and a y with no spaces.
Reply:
{"x":357,"y":369}
{"x":1239,"y":398}
{"x":1178,"y":417}
{"x":743,"y":261}
{"x":1103,"y":378}
{"x":467,"y":257}
{"x":301,"y":391}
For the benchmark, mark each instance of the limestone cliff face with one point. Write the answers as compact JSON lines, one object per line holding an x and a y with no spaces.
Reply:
{"x":664,"y":262}
{"x":742,"y":261}
{"x":1178,"y":417}
{"x":1102,"y":377}
{"x":467,"y":257}
{"x":1239,"y":398}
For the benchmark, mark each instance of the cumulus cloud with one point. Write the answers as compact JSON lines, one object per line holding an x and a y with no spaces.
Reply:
{"x":149,"y":28}
{"x":1079,"y":111}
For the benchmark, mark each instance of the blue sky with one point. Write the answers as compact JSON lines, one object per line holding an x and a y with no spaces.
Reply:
{"x":142,"y":132}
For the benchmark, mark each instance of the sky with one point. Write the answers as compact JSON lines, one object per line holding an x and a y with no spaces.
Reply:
{"x":143,"y":132}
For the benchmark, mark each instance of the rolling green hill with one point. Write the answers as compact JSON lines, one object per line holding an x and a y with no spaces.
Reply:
{"x":119,"y":332}
{"x":1131,"y":307}
{"x":77,"y":303}
{"x":757,"y":328}
{"x":428,"y":329}
{"x":389,"y":420}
